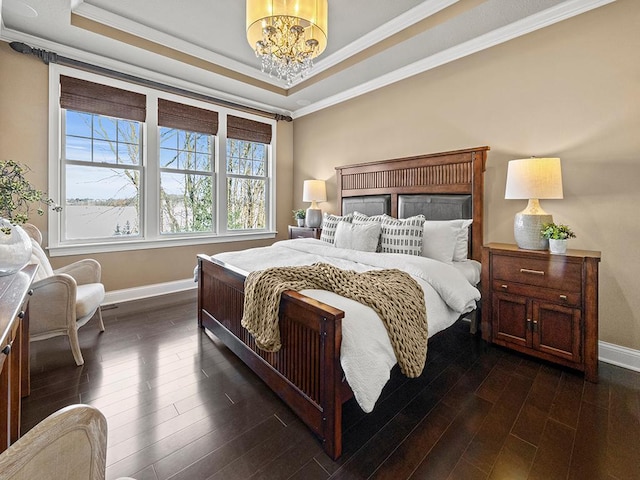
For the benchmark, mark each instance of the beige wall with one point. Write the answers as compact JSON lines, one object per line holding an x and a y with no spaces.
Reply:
{"x":23,"y":137}
{"x":570,"y":90}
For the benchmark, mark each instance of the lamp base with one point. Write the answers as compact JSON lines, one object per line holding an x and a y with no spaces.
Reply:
{"x":313,"y":218}
{"x":526,"y":230}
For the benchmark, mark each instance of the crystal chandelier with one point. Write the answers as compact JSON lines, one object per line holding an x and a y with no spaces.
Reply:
{"x":287,"y":35}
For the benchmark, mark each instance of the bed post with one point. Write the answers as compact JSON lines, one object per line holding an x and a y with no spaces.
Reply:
{"x":478,"y":161}
{"x":331,"y":399}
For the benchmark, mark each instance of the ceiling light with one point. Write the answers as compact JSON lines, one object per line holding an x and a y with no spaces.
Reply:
{"x":287,"y":35}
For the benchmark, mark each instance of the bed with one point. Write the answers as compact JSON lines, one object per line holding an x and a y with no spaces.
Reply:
{"x":306,"y":372}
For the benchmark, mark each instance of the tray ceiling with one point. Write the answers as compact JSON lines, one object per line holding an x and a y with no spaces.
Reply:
{"x":202,"y":43}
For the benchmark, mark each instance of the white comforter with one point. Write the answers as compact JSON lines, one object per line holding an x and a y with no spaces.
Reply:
{"x":366,"y":354}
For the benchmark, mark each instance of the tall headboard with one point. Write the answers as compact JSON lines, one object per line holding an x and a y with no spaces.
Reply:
{"x":454,"y":179}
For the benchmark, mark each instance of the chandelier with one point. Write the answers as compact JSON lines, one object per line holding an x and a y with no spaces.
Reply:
{"x":287,"y":35}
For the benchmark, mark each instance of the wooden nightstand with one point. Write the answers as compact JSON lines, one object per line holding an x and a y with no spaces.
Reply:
{"x":304,"y":232}
{"x":543,"y":305}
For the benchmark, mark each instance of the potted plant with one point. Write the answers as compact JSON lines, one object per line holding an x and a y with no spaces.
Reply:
{"x":299,"y":216}
{"x":17,"y":197}
{"x":557,"y":234}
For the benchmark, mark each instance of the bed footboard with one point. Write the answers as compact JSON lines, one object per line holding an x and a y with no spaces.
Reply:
{"x":305,"y":373}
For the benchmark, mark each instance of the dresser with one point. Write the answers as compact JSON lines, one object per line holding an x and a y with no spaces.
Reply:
{"x":542,"y":304}
{"x":304,"y":232}
{"x":14,"y":347}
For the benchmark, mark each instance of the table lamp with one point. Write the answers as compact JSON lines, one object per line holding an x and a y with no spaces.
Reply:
{"x":314,"y":191}
{"x":533,"y":179}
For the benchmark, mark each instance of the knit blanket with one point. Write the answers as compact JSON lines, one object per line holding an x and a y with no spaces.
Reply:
{"x":396,"y":297}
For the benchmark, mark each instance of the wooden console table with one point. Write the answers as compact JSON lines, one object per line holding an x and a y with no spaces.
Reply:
{"x":14,"y":350}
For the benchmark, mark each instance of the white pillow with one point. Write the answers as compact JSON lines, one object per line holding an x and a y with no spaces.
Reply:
{"x":446,"y":240}
{"x":362,"y":237}
{"x":403,"y":235}
{"x":362,"y":219}
{"x":329,"y":224}
{"x":461,"y":252}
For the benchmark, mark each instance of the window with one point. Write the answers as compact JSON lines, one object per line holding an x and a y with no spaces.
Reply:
{"x":186,"y":181}
{"x":102,"y":172}
{"x":139,"y":168}
{"x":187,"y":139}
{"x":247,"y":173}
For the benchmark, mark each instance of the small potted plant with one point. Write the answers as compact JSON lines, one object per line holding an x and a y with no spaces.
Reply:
{"x":299,"y":216}
{"x":557,"y":234}
{"x":17,"y":196}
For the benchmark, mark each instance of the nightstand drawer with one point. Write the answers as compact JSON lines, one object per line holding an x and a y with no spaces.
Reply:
{"x":570,"y":299}
{"x":304,"y":232}
{"x":552,"y":273}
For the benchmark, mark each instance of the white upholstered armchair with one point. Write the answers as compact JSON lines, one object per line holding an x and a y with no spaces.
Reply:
{"x":70,"y":444}
{"x":64,"y":299}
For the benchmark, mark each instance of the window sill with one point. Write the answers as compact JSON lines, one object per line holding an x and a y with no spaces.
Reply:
{"x":108,"y":247}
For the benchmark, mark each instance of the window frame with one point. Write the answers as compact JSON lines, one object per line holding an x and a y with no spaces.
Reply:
{"x":150,"y":235}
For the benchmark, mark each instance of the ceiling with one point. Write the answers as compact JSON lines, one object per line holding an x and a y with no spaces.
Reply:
{"x":201,"y":44}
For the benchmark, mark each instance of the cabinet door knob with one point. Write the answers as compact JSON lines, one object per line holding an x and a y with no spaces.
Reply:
{"x":535,"y":325}
{"x":528,"y":323}
{"x":504,"y":287}
{"x":563,"y":297}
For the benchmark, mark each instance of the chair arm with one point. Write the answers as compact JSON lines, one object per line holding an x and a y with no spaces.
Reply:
{"x":53,"y":304}
{"x":83,"y":271}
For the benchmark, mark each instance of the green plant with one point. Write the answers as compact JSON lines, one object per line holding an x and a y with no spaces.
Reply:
{"x":557,"y":231}
{"x":299,"y":214}
{"x":17,"y":195}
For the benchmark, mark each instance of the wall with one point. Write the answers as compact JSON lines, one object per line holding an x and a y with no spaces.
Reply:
{"x":570,"y":90}
{"x":24,"y":138}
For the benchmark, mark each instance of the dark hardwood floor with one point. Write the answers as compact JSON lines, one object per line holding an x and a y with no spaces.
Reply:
{"x":180,"y":405}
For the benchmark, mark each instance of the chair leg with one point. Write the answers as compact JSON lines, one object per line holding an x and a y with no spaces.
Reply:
{"x":75,"y":346}
{"x":100,"y":322}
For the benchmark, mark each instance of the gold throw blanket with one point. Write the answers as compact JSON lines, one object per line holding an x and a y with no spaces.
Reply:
{"x":395,"y":296}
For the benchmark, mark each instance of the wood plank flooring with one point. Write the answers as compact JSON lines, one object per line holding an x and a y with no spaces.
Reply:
{"x":180,"y":405}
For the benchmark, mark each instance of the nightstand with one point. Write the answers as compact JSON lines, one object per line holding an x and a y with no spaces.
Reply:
{"x":542,"y":304}
{"x":304,"y":232}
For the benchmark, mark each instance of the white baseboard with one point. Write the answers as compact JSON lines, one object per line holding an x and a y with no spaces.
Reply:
{"x":608,"y":352}
{"x":147,"y":291}
{"x":620,"y":356}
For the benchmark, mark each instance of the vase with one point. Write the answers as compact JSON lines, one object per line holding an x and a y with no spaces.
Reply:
{"x":558,"y":246}
{"x":15,"y":248}
{"x":300,"y":222}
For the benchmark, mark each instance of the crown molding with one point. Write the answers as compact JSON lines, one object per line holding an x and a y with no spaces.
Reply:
{"x":401,"y":22}
{"x":112,"y":20}
{"x":9,"y":35}
{"x":503,"y":34}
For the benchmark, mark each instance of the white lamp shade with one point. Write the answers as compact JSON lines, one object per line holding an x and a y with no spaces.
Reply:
{"x":314,"y":191}
{"x":312,"y":15}
{"x":534,"y":178}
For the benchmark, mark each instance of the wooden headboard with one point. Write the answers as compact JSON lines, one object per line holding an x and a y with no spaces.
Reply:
{"x":460,"y":172}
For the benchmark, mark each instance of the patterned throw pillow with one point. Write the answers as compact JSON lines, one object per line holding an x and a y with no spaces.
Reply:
{"x":329,"y":225}
{"x":403,"y":235}
{"x":360,"y":218}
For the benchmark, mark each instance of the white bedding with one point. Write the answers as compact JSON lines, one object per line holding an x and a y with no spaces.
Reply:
{"x":366,"y":354}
